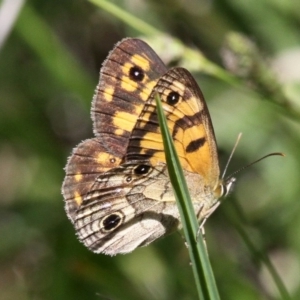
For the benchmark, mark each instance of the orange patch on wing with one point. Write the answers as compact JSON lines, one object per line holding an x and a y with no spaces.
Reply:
{"x":108,"y":93}
{"x":128,"y":85}
{"x":77,"y":198}
{"x":141,"y":61}
{"x":78,"y":177}
{"x":152,"y":140}
{"x":107,"y":160}
{"x":119,"y":132}
{"x":188,"y":108}
{"x":178,"y":86}
{"x":200,"y":160}
{"x":124,"y":120}
{"x":145,"y":93}
{"x":103,"y":157}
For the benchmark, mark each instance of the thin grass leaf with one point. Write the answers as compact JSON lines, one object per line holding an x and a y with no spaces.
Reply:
{"x":126,"y":17}
{"x":204,"y":278}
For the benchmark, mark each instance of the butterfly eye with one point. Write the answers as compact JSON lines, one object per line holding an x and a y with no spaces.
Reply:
{"x":173,"y":98}
{"x":128,"y":178}
{"x":112,"y":221}
{"x":136,"y":74}
{"x":141,"y":169}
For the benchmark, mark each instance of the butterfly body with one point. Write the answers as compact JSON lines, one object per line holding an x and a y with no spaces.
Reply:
{"x":117,"y":188}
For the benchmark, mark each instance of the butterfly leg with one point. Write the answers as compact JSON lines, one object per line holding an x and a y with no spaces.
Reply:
{"x":201,"y":229}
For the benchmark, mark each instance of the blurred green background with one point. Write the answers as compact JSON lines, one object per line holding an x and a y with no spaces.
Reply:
{"x":50,"y":56}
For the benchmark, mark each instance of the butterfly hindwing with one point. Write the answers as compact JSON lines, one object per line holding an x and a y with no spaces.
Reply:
{"x":88,"y":160}
{"x":128,"y":206}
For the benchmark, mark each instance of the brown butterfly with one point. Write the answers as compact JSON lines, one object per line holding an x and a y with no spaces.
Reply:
{"x":117,"y":190}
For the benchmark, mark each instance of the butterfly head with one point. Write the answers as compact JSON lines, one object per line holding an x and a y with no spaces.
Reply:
{"x":228,"y":185}
{"x":224,"y":187}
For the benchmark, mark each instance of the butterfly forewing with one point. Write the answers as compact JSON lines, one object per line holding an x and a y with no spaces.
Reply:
{"x":126,"y":80}
{"x":188,"y":121}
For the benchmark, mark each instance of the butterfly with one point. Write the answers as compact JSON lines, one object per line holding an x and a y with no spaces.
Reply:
{"x":117,"y":189}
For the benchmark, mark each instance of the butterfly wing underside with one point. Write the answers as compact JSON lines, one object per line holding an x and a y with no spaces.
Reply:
{"x":189,"y":123}
{"x":117,"y":189}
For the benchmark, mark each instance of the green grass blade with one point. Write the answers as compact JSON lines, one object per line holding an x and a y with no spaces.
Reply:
{"x":202,"y":270}
{"x":126,"y":17}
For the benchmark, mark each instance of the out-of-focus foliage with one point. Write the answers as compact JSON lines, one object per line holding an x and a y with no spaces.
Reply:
{"x":49,"y":65}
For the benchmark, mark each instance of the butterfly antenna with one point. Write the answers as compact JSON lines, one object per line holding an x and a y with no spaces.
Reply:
{"x":231,"y":154}
{"x":256,"y":161}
